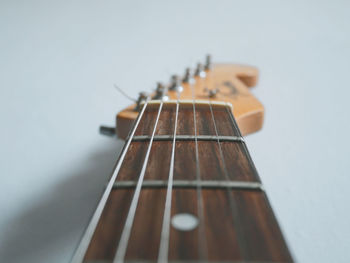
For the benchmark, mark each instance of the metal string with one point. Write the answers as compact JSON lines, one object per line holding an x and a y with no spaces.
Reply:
{"x":86,"y":239}
{"x":218,"y":140}
{"x":202,"y":251}
{"x":240,"y":235}
{"x":124,"y":240}
{"x":164,"y":240}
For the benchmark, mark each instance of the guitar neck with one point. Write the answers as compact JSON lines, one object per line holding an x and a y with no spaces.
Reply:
{"x":184,"y":189}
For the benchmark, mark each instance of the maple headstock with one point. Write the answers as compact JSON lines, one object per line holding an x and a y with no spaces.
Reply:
{"x":219,"y":82}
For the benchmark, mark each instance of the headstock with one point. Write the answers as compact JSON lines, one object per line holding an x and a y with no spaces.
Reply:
{"x":217,"y":82}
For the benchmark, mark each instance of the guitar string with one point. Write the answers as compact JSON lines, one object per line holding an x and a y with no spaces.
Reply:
{"x":240,"y":235}
{"x":202,"y":247}
{"x":124,"y":240}
{"x":90,"y":230}
{"x":164,"y":241}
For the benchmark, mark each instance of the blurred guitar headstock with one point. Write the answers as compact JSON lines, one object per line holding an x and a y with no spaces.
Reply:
{"x":217,"y":82}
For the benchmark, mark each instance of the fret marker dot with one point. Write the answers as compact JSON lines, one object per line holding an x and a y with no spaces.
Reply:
{"x":184,"y":222}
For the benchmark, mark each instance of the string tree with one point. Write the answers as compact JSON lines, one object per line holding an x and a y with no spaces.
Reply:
{"x":212,"y":92}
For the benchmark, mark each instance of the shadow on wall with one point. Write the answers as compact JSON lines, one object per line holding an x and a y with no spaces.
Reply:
{"x":50,"y":230}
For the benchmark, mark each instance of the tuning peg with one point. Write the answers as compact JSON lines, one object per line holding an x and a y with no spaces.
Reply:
{"x":200,"y":71}
{"x":160,"y":92}
{"x":187,"y":76}
{"x":208,"y":63}
{"x":142,"y":98}
{"x":175,"y":83}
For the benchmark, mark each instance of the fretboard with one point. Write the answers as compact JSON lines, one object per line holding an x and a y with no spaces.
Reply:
{"x":184,"y":190}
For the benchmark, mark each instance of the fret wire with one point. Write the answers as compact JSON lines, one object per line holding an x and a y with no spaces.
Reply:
{"x":164,"y":241}
{"x":202,"y":250}
{"x":90,"y":230}
{"x":188,"y":138}
{"x":213,"y":184}
{"x":124,"y":240}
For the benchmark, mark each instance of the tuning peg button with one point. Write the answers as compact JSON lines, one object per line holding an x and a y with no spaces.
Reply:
{"x":108,"y":131}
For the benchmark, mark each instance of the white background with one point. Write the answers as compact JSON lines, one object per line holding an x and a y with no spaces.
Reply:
{"x":59,"y":60}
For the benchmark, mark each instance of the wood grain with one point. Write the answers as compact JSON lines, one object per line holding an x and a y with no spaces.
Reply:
{"x":106,"y":237}
{"x":249,"y":234}
{"x":132,"y":163}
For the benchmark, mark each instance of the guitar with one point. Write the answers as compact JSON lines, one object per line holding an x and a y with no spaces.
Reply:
{"x":185,"y":188}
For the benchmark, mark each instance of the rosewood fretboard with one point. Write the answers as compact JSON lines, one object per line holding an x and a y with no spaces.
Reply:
{"x":214,"y":180}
